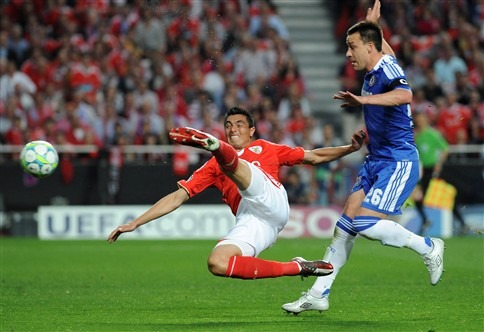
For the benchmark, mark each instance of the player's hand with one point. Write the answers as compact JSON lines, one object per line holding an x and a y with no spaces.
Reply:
{"x":349,"y":99}
{"x":120,"y":230}
{"x":358,"y":139}
{"x":373,"y":13}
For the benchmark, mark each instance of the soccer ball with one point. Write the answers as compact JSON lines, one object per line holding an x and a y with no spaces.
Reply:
{"x":39,"y":158}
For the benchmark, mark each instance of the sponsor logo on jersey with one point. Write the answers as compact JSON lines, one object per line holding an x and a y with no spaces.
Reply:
{"x":372,"y":80}
{"x":256,"y":149}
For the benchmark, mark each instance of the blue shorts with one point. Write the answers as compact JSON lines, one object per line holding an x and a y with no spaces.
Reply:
{"x":387,"y":184}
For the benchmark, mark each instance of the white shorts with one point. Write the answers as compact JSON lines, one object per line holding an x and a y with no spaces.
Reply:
{"x":262,"y":214}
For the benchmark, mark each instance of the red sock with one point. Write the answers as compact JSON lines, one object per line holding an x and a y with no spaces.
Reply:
{"x":226,"y":157}
{"x":246,"y":267}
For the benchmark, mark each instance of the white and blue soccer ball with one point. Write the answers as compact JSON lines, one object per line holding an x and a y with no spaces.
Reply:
{"x":39,"y":158}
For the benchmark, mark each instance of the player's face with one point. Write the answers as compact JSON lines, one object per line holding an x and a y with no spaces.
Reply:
{"x":237,"y":131}
{"x":358,"y":52}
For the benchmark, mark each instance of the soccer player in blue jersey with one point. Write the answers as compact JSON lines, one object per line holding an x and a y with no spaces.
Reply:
{"x":390,"y":171}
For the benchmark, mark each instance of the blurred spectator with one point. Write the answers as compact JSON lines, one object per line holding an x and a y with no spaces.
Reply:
{"x":212,"y":27}
{"x":47,"y":131}
{"x":421,"y":104}
{"x":149,"y":123}
{"x":213,"y":82}
{"x":174,"y":108}
{"x":39,"y":112}
{"x":327,"y":177}
{"x":235,"y":25}
{"x":184,"y":26}
{"x":149,"y":31}
{"x":314,"y":133}
{"x":453,"y":120}
{"x":415,"y":70}
{"x":80,"y":133}
{"x":143,"y":95}
{"x":17,"y":45}
{"x":215,"y":128}
{"x":130,"y":115}
{"x":12,"y":79}
{"x":280,"y":136}
{"x":254,"y":61}
{"x":253,"y":98}
{"x":476,"y":123}
{"x":106,"y":127}
{"x":463,"y":88}
{"x":264,"y":17}
{"x":162,"y":74}
{"x":60,"y":69}
{"x":446,"y":67}
{"x":153,"y":139}
{"x":266,"y":118}
{"x":234,"y":95}
{"x":4,"y":51}
{"x":426,"y":20}
{"x":15,"y":133}
{"x":294,"y":97}
{"x":84,"y":109}
{"x":288,"y":75}
{"x":8,"y":114}
{"x":85,"y":76}
{"x":36,"y":67}
{"x":296,"y":124}
{"x":298,"y":191}
{"x":432,"y":88}
{"x":203,"y":103}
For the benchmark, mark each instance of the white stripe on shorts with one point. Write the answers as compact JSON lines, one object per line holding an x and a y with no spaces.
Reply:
{"x":395,"y":186}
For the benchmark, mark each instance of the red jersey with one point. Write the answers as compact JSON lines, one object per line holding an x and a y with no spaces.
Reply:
{"x":453,"y":121}
{"x":266,"y":155}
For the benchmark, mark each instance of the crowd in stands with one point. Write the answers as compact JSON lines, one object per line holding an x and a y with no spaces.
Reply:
{"x":124,"y":72}
{"x":104,"y":72}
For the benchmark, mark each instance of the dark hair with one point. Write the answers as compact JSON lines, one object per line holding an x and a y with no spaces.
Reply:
{"x":238,"y":110}
{"x":369,"y":32}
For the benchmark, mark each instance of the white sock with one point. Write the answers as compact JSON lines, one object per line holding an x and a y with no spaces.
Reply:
{"x":337,"y":254}
{"x":393,"y":234}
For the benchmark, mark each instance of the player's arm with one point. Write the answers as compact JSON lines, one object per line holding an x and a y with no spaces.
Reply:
{"x":327,"y":154}
{"x":440,"y":164}
{"x":394,"y":97}
{"x":372,"y":15}
{"x":164,"y":206}
{"x":444,"y":154}
{"x":398,"y":96}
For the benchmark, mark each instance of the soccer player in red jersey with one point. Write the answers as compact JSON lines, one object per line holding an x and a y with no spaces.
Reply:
{"x":246,"y":171}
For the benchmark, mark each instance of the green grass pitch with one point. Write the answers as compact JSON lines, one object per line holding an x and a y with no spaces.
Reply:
{"x":165,"y":286}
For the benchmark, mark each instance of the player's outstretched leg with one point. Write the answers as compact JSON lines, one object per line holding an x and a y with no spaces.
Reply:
{"x":193,"y":137}
{"x":247,"y":267}
{"x":224,"y":153}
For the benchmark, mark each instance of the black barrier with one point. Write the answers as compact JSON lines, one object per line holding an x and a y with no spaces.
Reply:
{"x":88,"y":183}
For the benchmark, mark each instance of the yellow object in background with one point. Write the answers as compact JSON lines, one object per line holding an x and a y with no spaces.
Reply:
{"x":440,"y":194}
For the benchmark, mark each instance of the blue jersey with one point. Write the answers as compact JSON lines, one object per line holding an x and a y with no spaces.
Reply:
{"x":390,"y":128}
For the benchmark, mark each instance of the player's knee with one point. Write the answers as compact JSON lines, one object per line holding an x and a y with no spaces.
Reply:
{"x":367,"y":233}
{"x":217,"y":265}
{"x":364,"y":226}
